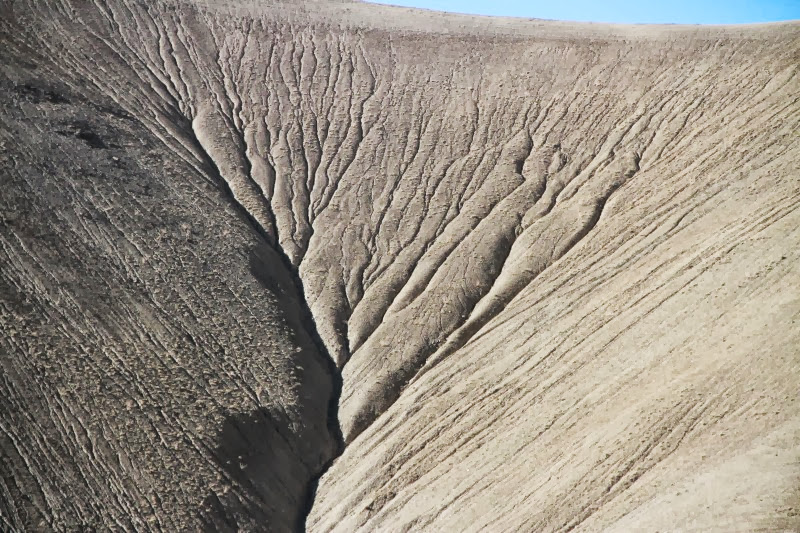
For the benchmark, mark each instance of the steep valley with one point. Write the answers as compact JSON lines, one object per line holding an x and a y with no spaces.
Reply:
{"x":331,"y":266}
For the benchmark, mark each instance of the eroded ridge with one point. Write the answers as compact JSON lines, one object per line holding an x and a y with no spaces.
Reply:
{"x":468,"y":216}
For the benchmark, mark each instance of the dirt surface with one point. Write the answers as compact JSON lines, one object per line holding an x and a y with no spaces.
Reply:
{"x":478,"y":274}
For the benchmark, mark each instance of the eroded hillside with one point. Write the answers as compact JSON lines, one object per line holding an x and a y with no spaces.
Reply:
{"x":521,"y":275}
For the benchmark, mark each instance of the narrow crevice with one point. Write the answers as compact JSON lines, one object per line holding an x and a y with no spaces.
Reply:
{"x":333,"y":425}
{"x":306,"y":321}
{"x":310,"y":326}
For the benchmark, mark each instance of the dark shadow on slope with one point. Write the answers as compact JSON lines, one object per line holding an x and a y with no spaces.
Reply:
{"x":260,"y":267}
{"x":266,"y":261}
{"x":252,"y":450}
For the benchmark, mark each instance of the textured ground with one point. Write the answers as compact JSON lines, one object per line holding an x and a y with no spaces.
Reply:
{"x":511,"y":275}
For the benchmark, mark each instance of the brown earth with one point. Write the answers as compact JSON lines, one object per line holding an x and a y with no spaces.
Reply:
{"x":479,"y":274}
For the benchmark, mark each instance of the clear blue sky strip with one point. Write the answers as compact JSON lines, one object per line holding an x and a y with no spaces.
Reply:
{"x":624,"y":11}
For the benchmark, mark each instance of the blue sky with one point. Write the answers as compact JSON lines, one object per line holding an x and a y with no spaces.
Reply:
{"x":667,"y":11}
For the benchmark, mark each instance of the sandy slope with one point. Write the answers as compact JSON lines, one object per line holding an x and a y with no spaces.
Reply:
{"x":555,"y":264}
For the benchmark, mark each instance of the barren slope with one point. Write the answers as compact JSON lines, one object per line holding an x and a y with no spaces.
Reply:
{"x":556,"y":265}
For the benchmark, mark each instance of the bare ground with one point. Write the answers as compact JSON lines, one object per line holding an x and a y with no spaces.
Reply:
{"x":482,"y":274}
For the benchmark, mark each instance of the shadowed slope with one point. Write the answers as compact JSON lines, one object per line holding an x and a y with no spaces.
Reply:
{"x":159,"y":370}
